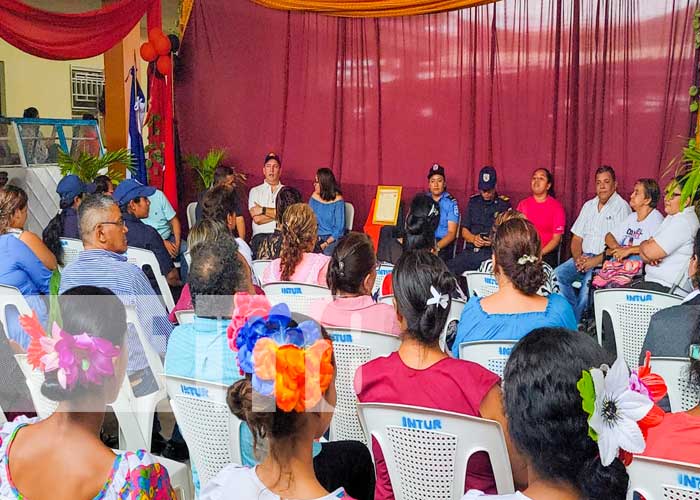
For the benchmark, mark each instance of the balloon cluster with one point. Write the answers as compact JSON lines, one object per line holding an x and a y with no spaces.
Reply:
{"x":158,"y":49}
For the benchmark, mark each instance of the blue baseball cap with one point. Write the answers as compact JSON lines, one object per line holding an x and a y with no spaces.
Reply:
{"x":71,"y":186}
{"x":130,"y":189}
{"x":487,"y":178}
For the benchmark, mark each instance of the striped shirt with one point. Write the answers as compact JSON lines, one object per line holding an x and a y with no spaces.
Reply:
{"x":111,"y":270}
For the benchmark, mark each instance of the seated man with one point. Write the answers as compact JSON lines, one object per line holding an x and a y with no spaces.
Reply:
{"x":163,"y":218}
{"x":446,"y":232}
{"x":132,"y":197}
{"x":481,"y":213}
{"x":261,"y":199}
{"x":598,"y":217}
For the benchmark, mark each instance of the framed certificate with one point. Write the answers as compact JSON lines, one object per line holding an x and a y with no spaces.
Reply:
{"x":386,"y":206}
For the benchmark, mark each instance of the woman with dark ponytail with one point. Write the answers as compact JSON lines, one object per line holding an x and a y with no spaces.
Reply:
{"x":551,"y":376}
{"x":70,"y":189}
{"x":84,"y":363}
{"x":421,"y":374}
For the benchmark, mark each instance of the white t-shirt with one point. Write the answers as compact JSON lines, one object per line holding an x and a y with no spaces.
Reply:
{"x":475,"y":494}
{"x":675,"y":237}
{"x":235,"y":482}
{"x":631,"y":232}
{"x":592,"y":225}
{"x":264,"y":196}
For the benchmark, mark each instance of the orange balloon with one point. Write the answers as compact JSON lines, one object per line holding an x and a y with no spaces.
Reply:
{"x":162,"y":46}
{"x":164,"y":65}
{"x":148,"y":52}
{"x":155,"y":34}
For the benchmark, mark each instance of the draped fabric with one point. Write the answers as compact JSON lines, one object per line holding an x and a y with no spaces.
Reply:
{"x":372,"y":8}
{"x":54,"y":35}
{"x":518,"y":84}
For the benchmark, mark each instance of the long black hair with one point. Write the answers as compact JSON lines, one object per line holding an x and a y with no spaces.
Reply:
{"x":421,"y":222}
{"x":53,"y":232}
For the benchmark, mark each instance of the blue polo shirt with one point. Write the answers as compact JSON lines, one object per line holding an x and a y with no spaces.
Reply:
{"x":449,"y":212}
{"x":142,"y":235}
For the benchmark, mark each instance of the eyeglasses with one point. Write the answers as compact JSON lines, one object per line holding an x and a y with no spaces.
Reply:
{"x":119,"y":223}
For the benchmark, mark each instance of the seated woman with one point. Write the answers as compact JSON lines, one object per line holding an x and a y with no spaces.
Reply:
{"x":20,"y":267}
{"x":329,"y":207}
{"x":543,"y":403}
{"x":64,"y":224}
{"x":546,"y":213}
{"x":421,"y":374}
{"x":292,"y":463}
{"x":268,"y":246}
{"x":297,"y":262}
{"x":515,"y":308}
{"x":667,"y":252}
{"x":62,"y":456}
{"x":351,"y":276}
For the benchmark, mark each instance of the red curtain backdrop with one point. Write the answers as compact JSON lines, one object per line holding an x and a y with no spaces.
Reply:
{"x":566,"y":84}
{"x":54,"y":35}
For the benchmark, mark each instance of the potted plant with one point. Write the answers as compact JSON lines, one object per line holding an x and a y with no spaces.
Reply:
{"x":205,"y":166}
{"x":87,"y":166}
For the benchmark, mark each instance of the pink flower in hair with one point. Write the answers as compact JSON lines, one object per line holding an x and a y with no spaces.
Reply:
{"x":245,"y":307}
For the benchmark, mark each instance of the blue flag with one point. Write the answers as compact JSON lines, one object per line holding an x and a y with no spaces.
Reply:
{"x":137,"y":113}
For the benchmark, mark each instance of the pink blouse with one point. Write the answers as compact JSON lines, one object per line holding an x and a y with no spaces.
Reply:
{"x":361,"y":313}
{"x":312,"y":270}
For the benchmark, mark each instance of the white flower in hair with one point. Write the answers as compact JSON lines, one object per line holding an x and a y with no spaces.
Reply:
{"x":437,"y":298}
{"x":618,"y":408}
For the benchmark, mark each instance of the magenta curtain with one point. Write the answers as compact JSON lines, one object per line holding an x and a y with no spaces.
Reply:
{"x":518,"y":84}
{"x":54,"y":35}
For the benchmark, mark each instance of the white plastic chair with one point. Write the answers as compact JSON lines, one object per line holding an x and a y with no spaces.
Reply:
{"x":456,"y":308}
{"x":657,"y":479}
{"x":386,"y":299}
{"x":630,"y":311}
{"x":259,"y":266}
{"x":188,"y":258}
{"x":3,"y":418}
{"x":211,"y":431}
{"x":185,"y":316}
{"x":382,"y":272}
{"x":191,"y":214}
{"x":142,"y":257}
{"x":480,"y":284}
{"x":300,"y":297}
{"x":674,"y":371}
{"x":349,"y":215}
{"x":35,"y":378}
{"x":11,"y":297}
{"x":491,"y":354}
{"x":426,"y":451}
{"x":352,"y":349}
{"x":71,"y":250}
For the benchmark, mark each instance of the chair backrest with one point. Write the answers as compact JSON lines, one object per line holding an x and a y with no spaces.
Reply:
{"x":300,"y":297}
{"x":211,"y":431}
{"x":386,"y":299}
{"x":185,"y":316}
{"x":188,"y":257}
{"x":456,"y":308}
{"x":259,"y":266}
{"x":630,"y":311}
{"x":426,"y":451}
{"x":142,"y":257}
{"x":349,"y":215}
{"x":11,"y":297}
{"x":674,"y":371}
{"x":71,"y":249}
{"x":656,"y":479}
{"x":35,"y":378}
{"x":191,"y":214}
{"x":382,"y":272}
{"x":491,"y":354}
{"x":480,"y":284}
{"x":352,"y":349}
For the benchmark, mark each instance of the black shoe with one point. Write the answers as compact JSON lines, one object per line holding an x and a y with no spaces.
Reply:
{"x":176,"y":451}
{"x":158,"y":443}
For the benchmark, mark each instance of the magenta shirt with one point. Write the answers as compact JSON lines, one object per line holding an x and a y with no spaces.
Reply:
{"x":361,"y":313}
{"x":548,"y":217}
{"x":450,"y":384}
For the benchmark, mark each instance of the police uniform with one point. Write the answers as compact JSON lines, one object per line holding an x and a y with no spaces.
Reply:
{"x":449,"y":212}
{"x":142,"y":235}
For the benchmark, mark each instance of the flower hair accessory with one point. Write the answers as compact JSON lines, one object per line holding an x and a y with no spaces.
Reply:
{"x":621,"y":407}
{"x":76,"y":359}
{"x":441,"y":300}
{"x":525,"y":259}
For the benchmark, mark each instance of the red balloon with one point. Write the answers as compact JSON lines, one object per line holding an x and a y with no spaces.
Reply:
{"x":148,"y":52}
{"x":155,"y":34}
{"x":164,"y":65}
{"x":162,"y":46}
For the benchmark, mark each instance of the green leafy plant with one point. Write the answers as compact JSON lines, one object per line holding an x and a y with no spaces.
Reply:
{"x":205,"y":166}
{"x":87,"y":166}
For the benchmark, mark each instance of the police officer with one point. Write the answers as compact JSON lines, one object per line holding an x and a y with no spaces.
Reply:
{"x":482,"y":210}
{"x":446,"y":232}
{"x":132,"y":197}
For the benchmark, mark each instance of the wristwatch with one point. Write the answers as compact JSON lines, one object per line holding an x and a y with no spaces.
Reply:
{"x":264,"y":210}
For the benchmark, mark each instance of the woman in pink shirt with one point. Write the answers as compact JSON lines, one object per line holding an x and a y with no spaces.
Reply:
{"x":421,"y":374}
{"x":350,"y":277}
{"x":297,"y":261}
{"x":545,"y":212}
